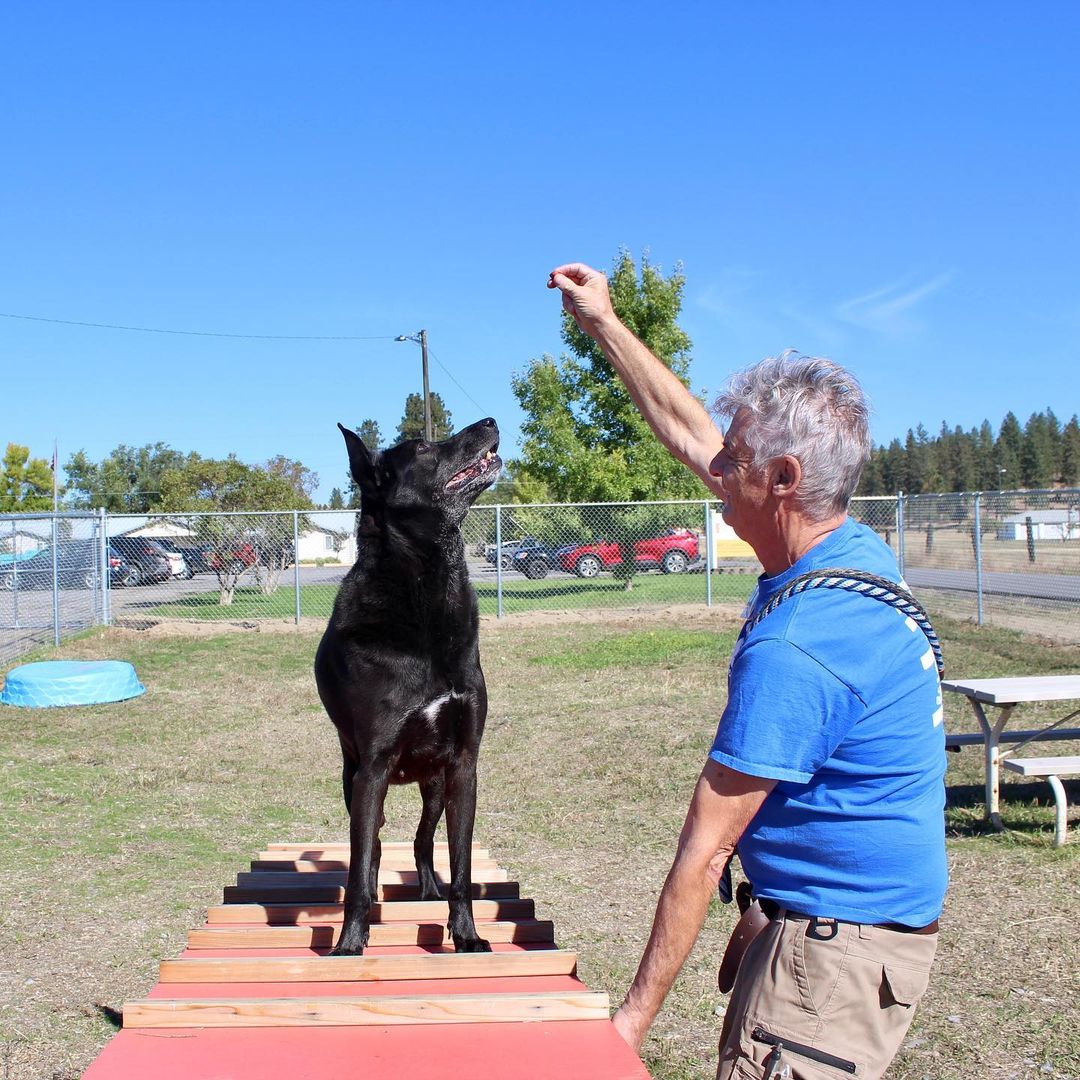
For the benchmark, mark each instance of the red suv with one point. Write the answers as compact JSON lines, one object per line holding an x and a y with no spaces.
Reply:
{"x":672,"y":552}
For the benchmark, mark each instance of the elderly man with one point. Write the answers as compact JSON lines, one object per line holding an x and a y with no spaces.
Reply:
{"x":828,"y":763}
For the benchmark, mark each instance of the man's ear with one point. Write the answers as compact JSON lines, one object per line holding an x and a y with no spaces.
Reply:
{"x":361,"y":461}
{"x":786,"y":476}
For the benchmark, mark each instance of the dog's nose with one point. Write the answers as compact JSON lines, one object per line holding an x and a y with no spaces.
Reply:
{"x":488,"y":422}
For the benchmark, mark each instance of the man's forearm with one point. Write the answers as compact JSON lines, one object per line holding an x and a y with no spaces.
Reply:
{"x":678,"y":418}
{"x":680,"y":913}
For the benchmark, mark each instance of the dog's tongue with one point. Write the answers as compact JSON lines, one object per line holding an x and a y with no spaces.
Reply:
{"x":477,"y":468}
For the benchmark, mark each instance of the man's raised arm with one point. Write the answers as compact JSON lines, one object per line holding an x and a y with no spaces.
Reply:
{"x":677,"y":417}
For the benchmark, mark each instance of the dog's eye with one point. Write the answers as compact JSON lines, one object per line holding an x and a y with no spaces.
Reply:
{"x":423,"y":448}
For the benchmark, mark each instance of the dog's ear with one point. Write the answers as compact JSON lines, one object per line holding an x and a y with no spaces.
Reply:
{"x":361,"y":461}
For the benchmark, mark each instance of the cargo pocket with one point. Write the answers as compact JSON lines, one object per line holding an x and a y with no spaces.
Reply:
{"x":903,"y":985}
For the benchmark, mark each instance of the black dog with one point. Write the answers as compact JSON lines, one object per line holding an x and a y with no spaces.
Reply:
{"x":398,"y":668}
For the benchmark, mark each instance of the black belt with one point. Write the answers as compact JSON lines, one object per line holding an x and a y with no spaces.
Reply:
{"x":773,"y":911}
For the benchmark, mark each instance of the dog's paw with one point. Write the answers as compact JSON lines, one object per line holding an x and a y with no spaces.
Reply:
{"x":471,"y":945}
{"x":346,"y":950}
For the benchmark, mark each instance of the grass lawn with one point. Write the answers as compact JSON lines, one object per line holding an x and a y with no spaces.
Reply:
{"x":122,"y":822}
{"x":519,"y":595}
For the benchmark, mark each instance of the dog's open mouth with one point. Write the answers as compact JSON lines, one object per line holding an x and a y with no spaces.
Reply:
{"x":488,"y":462}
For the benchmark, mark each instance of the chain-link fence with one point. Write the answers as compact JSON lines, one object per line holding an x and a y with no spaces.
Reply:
{"x":1009,"y":558}
{"x":54,"y":573}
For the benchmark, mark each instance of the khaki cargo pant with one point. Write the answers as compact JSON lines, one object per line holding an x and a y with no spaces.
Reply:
{"x":839,"y":997}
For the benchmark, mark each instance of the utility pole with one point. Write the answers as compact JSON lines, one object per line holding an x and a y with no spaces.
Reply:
{"x":427,"y":392}
{"x":421,"y":340}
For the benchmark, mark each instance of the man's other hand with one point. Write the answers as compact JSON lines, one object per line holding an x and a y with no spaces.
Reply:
{"x":584,"y":295}
{"x":631,"y":1026}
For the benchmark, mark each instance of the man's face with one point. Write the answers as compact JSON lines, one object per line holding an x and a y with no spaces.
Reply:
{"x":744,"y":488}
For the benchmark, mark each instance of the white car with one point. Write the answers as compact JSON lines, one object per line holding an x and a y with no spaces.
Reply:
{"x":177,"y":562}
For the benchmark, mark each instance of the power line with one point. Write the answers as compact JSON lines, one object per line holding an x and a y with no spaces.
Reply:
{"x":454,"y":381}
{"x":201,"y":333}
{"x":246,"y":337}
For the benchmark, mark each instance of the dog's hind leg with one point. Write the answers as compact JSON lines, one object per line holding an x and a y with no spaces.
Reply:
{"x":369,"y":788}
{"x":460,"y":815}
{"x":433,"y":792}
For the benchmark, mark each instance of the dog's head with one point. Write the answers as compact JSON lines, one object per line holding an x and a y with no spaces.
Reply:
{"x":418,"y":480}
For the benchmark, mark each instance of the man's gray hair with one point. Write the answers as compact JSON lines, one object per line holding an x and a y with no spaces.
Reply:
{"x":813,"y":410}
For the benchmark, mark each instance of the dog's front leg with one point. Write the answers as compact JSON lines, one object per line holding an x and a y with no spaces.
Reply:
{"x":460,"y":815}
{"x":433,"y":792}
{"x":370,"y":783}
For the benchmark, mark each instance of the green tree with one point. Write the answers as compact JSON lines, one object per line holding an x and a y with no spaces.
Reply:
{"x":412,"y":420}
{"x":371,"y":436}
{"x":1007,"y":450}
{"x":986,"y":469}
{"x":206,"y":485}
{"x":127,"y":481}
{"x":1070,"y":453}
{"x":337,"y":500}
{"x":583,"y":437}
{"x":297,"y":475}
{"x":25,"y":483}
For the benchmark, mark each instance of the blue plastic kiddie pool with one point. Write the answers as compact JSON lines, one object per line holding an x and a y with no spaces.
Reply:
{"x":70,"y":682}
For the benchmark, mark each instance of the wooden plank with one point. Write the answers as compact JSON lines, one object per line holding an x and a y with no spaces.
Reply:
{"x":335,"y":851}
{"x":323,"y":937}
{"x":336,"y":1012}
{"x":387,"y":862}
{"x":257,"y":969}
{"x":310,"y":889}
{"x":272,"y":878}
{"x":399,"y":911}
{"x":326,"y":845}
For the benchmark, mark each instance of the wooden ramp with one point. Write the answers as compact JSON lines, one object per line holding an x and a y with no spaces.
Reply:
{"x":255,"y":997}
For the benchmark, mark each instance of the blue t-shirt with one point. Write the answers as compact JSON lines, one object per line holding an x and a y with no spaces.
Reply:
{"x":836,"y":696}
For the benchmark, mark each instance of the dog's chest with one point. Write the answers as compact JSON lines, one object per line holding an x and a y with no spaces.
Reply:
{"x":433,"y":734}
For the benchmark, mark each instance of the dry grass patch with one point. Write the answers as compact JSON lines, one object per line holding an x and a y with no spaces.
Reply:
{"x":124,"y":821}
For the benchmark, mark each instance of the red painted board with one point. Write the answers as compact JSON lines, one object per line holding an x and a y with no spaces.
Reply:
{"x":515,"y":984}
{"x":556,"y":1050}
{"x":374,"y":950}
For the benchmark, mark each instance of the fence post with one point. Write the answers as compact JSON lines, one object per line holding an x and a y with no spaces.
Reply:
{"x":978,"y":557}
{"x":106,"y":575}
{"x":55,"y":583}
{"x":1029,"y":525}
{"x":900,"y":531}
{"x":708,"y":553}
{"x":296,"y":560}
{"x":14,"y":575}
{"x":498,"y":563}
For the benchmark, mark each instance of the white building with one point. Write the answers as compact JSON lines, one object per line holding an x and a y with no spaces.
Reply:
{"x":1062,"y":523}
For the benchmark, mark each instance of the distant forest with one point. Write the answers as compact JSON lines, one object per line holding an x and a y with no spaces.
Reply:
{"x":1041,"y":454}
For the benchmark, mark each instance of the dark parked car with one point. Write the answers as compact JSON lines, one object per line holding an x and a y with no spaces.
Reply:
{"x":149,"y":560}
{"x":197,"y":556}
{"x":78,"y":564}
{"x":120,"y":570}
{"x":534,"y":559}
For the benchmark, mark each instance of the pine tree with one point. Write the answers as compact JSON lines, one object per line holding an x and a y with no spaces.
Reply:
{"x":412,"y":420}
{"x":1007,"y":449}
{"x":1070,"y":453}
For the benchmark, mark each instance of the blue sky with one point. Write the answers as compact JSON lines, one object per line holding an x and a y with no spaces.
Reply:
{"x":894,"y":186}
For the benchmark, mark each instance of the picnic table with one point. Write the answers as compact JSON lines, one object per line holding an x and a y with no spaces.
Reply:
{"x":1006,"y":695}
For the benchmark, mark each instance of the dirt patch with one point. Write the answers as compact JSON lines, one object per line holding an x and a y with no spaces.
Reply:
{"x":193,"y":628}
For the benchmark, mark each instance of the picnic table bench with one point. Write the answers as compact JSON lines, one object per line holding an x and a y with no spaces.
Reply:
{"x":1006,"y":695}
{"x":1053,"y":768}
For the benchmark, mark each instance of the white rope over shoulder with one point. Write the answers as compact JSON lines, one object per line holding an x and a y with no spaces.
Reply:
{"x":858,"y":581}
